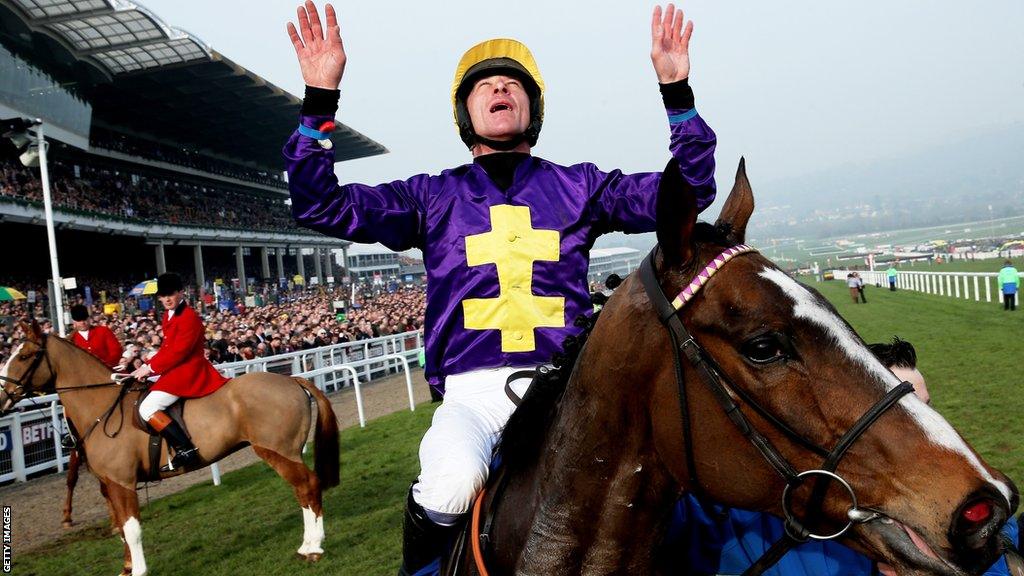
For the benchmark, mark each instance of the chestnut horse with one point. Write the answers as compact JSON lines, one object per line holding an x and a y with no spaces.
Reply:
{"x":594,"y":462}
{"x":271,"y":412}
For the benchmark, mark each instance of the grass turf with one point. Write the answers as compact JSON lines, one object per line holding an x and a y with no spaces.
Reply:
{"x":969,"y":352}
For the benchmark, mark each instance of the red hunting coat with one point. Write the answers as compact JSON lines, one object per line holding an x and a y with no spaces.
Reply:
{"x":183,"y":369}
{"x":101,"y":343}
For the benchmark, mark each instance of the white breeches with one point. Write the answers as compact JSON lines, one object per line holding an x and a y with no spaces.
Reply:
{"x":155,"y":402}
{"x":455,"y":453}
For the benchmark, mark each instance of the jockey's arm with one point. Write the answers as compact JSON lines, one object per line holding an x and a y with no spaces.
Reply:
{"x":176,"y":350}
{"x":626,"y":202}
{"x":392,"y":214}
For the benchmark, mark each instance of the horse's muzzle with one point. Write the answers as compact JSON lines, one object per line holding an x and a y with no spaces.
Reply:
{"x":974,"y":529}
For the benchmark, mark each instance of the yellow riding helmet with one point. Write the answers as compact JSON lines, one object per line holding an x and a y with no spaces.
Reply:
{"x":498,"y":56}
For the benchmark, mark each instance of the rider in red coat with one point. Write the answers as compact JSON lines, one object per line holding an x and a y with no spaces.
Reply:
{"x":97,"y":340}
{"x":183,"y":369}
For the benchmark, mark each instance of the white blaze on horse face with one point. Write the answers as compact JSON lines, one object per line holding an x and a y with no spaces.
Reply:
{"x":935,"y":427}
{"x":312,"y":534}
{"x":4,"y":374}
{"x":132,"y":531}
{"x":7,"y":365}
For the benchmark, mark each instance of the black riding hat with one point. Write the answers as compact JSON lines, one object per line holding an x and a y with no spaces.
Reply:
{"x":79,"y":313}
{"x":168,"y":283}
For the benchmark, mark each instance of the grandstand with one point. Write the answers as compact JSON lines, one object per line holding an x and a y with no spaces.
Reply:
{"x":164,"y":154}
{"x":606,"y":261}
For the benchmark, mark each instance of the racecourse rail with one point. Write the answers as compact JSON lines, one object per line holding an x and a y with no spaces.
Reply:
{"x":29,"y":444}
{"x":965,"y":285}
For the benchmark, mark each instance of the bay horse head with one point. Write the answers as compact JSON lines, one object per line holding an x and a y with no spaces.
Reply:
{"x":638,"y":424}
{"x":28,"y":371}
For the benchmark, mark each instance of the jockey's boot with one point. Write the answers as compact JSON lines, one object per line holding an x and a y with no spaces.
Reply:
{"x":185,"y":454}
{"x":423,"y":540}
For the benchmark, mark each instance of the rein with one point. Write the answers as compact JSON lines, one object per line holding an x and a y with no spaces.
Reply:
{"x":723,"y":389}
{"x":26,"y":378}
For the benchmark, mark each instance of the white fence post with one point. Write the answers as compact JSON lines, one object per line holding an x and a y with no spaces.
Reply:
{"x":58,"y":431}
{"x":17,"y":449}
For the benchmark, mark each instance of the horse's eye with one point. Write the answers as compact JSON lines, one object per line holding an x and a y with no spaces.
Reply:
{"x":764,"y":349}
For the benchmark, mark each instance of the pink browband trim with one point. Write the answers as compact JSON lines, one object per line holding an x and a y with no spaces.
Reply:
{"x":702,"y":278}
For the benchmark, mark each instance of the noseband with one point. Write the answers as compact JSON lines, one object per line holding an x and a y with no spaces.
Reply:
{"x":724,"y":389}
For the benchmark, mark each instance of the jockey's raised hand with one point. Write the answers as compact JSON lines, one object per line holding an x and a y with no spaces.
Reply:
{"x":320,"y":52}
{"x":670,"y":44}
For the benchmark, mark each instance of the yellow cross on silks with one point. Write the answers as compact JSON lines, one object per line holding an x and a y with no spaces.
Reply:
{"x":512,"y":245}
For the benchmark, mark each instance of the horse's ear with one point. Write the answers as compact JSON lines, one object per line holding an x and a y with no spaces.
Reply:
{"x":676,"y":215}
{"x":738,"y":207}
{"x":32,"y":331}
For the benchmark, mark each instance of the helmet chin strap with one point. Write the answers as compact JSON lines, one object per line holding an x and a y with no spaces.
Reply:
{"x":501,"y":145}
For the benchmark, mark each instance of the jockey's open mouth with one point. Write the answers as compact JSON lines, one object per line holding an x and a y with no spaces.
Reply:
{"x":501,"y":106}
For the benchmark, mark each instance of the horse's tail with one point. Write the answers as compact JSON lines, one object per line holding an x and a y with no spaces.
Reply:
{"x":325,"y":447}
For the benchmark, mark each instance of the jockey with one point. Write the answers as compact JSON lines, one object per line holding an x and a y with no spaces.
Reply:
{"x":505,"y":239}
{"x":183,"y":369}
{"x":97,"y":340}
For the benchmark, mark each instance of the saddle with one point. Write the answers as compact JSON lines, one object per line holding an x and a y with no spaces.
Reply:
{"x":176,"y":412}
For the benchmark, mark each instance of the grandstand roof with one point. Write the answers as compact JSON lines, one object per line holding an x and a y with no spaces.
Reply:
{"x":164,"y":81}
{"x":616,"y":251}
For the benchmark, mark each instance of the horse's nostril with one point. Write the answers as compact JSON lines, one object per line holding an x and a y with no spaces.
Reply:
{"x":975,"y":528}
{"x":978,"y":512}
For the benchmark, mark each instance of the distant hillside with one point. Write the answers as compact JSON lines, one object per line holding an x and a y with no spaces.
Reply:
{"x":953,"y":182}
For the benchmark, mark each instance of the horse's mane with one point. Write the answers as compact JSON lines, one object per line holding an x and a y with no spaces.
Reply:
{"x":524,"y":433}
{"x":76,"y":351}
{"x":526,"y":429}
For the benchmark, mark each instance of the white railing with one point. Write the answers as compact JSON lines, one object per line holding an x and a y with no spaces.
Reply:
{"x":30,"y":441}
{"x":380,"y":350}
{"x":965,"y":285}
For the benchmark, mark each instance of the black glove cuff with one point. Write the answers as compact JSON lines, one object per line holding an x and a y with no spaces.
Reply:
{"x":320,"y":102}
{"x":677,"y":94}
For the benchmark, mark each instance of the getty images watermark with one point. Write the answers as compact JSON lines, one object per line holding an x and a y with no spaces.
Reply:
{"x":7,"y":539}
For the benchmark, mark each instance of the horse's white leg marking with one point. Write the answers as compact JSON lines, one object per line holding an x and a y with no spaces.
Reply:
{"x":312,"y":534}
{"x":132,"y":531}
{"x":935,"y":427}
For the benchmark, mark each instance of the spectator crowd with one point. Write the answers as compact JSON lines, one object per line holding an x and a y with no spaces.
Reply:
{"x":299,"y":322}
{"x":145,"y":199}
{"x":181,"y":156}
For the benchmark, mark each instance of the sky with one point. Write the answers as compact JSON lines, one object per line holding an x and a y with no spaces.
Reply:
{"x":794,"y":86}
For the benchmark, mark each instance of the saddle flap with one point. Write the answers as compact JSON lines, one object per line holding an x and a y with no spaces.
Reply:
{"x":176,"y":411}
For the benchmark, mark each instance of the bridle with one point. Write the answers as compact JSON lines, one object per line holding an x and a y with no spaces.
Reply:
{"x":38,"y":357}
{"x":724,"y":389}
{"x":26,"y":377}
{"x":37,"y":360}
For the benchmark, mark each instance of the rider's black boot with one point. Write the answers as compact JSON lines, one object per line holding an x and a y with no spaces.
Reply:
{"x":185,"y":454}
{"x":423,"y":541}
